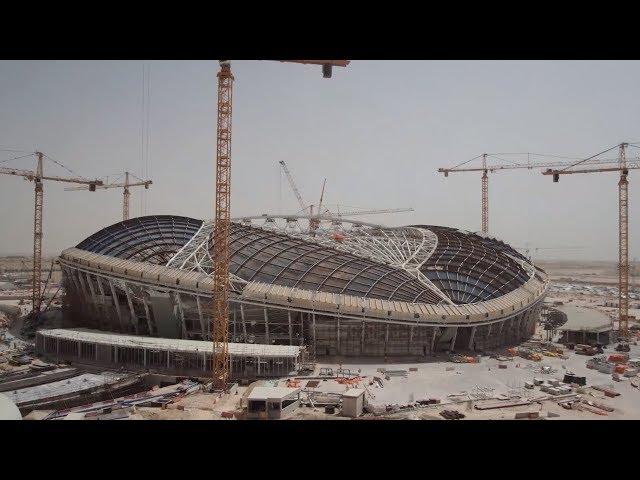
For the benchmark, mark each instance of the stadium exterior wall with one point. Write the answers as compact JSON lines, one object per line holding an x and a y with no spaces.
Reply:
{"x":133,"y":297}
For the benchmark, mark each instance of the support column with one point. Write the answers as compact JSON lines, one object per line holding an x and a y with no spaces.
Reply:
{"x":386,"y":338}
{"x":301,"y":329}
{"x":102,"y":299}
{"x":244,"y":325}
{"x":362,"y":339}
{"x":471,"y":337}
{"x":91,"y":290}
{"x":433,"y":340}
{"x":134,"y":319}
{"x":203,"y":326}
{"x":183,"y":324}
{"x":338,"y":352}
{"x":147,"y":314}
{"x":313,"y":326}
{"x":86,"y":294}
{"x":72,"y":275}
{"x":116,"y":304}
{"x":453,"y":339}
{"x":235,"y":320}
{"x":266,"y":326}
{"x":290,"y":327}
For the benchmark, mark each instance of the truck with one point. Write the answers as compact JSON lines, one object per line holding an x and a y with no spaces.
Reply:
{"x":585,"y":350}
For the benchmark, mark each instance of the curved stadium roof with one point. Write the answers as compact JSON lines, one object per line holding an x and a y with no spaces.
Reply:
{"x":153,"y":239}
{"x":417,"y":264}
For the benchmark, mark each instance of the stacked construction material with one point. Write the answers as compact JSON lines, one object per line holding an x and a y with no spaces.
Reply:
{"x":121,"y":407}
{"x":601,"y":364}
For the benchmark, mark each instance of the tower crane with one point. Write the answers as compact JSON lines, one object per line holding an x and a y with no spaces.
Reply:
{"x":623,"y":166}
{"x":371,"y":212}
{"x":487,"y":168}
{"x":125,"y":194}
{"x":220,"y":309}
{"x":38,"y":177}
{"x":294,"y":188}
{"x":314,"y":221}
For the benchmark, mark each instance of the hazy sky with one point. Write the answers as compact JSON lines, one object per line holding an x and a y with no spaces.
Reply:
{"x":377,"y":131}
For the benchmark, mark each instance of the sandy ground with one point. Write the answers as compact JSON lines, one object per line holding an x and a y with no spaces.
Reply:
{"x":597,"y":273}
{"x":436,"y":380}
{"x":439,"y":378}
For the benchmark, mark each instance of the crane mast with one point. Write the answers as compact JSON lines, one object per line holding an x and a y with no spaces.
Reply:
{"x":220,"y":313}
{"x":222,"y":222}
{"x":37,"y":177}
{"x":484,"y":168}
{"x":314,"y":223}
{"x":125,"y":198}
{"x":485,"y":195}
{"x":296,"y":192}
{"x":126,"y":194}
{"x":623,"y":226}
{"x":623,"y":246}
{"x":36,"y":296}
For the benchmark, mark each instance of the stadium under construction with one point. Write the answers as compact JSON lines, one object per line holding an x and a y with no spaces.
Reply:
{"x":339,"y":287}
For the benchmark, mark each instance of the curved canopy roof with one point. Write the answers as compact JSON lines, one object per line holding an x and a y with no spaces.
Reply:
{"x":470,"y":268}
{"x":416,"y":264}
{"x":276,"y":258}
{"x":154,"y":239}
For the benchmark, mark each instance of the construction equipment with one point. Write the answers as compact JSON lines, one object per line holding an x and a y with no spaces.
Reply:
{"x":314,"y":221}
{"x":220,"y":308}
{"x":371,"y":212}
{"x":125,"y":195}
{"x":294,"y":188}
{"x":38,"y":177}
{"x":623,"y":166}
{"x":487,"y":168}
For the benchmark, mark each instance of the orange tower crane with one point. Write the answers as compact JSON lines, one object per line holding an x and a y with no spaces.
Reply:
{"x":623,"y":167}
{"x":486,"y":168}
{"x":220,"y":313}
{"x":38,"y":177}
{"x":125,"y":194}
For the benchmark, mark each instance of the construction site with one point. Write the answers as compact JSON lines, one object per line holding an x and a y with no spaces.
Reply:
{"x":316,"y":311}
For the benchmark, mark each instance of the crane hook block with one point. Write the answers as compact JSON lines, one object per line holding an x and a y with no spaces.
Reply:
{"x":556,"y":177}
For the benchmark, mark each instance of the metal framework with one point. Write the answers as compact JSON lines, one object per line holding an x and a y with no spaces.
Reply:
{"x":36,"y":296}
{"x":485,"y":196}
{"x":623,"y":250}
{"x":220,"y":316}
{"x":125,"y":194}
{"x":486,"y":168}
{"x":347,"y":288}
{"x":623,"y":166}
{"x":37,"y":177}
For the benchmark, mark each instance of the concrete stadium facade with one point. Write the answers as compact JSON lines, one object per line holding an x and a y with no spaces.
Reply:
{"x":344,"y":288}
